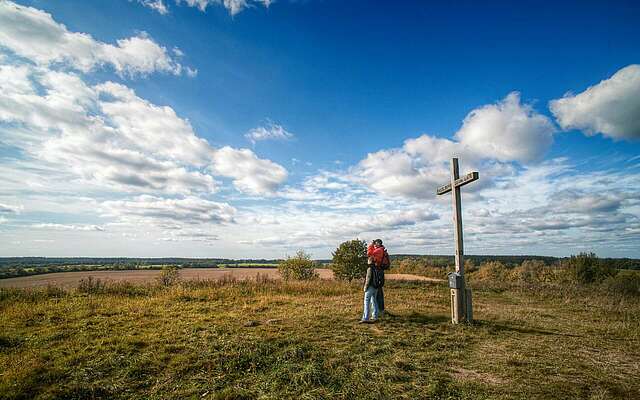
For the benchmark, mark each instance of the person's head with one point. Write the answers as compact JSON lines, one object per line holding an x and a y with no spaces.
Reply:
{"x":377,"y":242}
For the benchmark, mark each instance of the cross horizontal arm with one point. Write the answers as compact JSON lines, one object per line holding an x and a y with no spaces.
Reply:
{"x":468,"y":178}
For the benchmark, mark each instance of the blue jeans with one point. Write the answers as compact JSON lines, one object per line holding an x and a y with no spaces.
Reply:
{"x":380,"y":300}
{"x":370,"y":300}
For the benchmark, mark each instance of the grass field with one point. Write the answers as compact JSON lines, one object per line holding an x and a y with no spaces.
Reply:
{"x":274,"y":340}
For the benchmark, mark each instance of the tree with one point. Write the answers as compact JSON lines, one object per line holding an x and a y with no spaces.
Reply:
{"x":350,"y":260}
{"x":301,"y":267}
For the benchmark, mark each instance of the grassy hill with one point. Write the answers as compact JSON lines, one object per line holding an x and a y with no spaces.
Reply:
{"x":301,"y":340}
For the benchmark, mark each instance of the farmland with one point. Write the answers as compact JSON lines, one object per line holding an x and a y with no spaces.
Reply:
{"x":71,"y":279}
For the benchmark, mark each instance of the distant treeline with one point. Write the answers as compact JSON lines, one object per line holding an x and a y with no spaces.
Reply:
{"x":124,"y":261}
{"x":443,"y":261}
{"x":23,"y":266}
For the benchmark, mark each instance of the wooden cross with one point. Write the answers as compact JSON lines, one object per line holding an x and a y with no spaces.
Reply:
{"x":461,"y":307}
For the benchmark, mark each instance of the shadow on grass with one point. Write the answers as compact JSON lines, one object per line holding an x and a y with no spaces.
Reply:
{"x":502,"y":327}
{"x":416,"y":319}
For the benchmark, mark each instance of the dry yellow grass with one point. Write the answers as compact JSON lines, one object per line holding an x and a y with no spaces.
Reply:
{"x":275,"y":340}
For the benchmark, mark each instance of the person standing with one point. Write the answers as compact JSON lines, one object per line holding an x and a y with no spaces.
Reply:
{"x":371,"y":286}
{"x":377,"y":254}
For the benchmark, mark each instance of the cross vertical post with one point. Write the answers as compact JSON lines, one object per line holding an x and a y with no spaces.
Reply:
{"x":461,"y":306}
{"x":457,"y":217}
{"x":457,"y":295}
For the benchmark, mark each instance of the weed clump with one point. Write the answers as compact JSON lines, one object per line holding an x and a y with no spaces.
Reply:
{"x":622,"y":284}
{"x":532,"y":272}
{"x":493,"y":271}
{"x":91,"y":285}
{"x":169,"y":276}
{"x":300,"y":267}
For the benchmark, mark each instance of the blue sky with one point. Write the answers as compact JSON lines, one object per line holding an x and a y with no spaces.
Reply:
{"x":255,"y":128}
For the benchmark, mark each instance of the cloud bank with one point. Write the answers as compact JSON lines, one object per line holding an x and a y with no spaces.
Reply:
{"x":35,"y":35}
{"x":491,"y":135}
{"x":108,"y":135}
{"x":187,"y":210}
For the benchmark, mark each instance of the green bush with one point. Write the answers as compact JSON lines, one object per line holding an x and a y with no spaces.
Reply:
{"x":301,"y":267}
{"x":586,"y":268}
{"x":350,"y":260}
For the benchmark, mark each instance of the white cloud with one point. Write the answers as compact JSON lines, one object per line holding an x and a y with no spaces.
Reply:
{"x":384,"y":222}
{"x":191,"y":236}
{"x":191,"y":72}
{"x":35,"y":35}
{"x":188,"y":210}
{"x":68,"y":227}
{"x":611,"y":107}
{"x":395,"y":172}
{"x":154,"y":129}
{"x":233,"y":6}
{"x":156,"y":5}
{"x":271,"y":131}
{"x":507,"y":131}
{"x":250,"y":174}
{"x":177,"y":52}
{"x":267,"y":241}
{"x":10,"y":209}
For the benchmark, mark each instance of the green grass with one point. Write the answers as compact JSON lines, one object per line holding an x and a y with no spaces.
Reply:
{"x":275,"y":340}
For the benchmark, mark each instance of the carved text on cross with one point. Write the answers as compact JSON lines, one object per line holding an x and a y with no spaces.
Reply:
{"x":468,"y":178}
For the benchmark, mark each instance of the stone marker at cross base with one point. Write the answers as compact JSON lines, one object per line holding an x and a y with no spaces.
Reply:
{"x":461,"y":306}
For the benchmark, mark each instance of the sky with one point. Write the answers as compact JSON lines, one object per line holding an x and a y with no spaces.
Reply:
{"x":256,"y":128}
